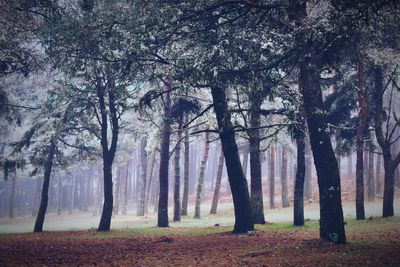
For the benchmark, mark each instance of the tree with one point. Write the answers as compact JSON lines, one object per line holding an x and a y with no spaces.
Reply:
{"x":142,"y":178}
{"x":217,"y":187}
{"x":200,"y":183}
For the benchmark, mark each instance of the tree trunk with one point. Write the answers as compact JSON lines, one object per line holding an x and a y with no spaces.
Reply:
{"x":272,"y":176}
{"x":388,"y":191}
{"x":257,"y":203}
{"x":108,"y":154}
{"x":164,"y":159}
{"x":371,"y":180}
{"x":237,"y":179}
{"x":117,"y":191}
{"x":126,"y":177}
{"x":378,"y":174}
{"x":285,"y":198}
{"x":151,"y":175}
{"x":185,"y":198}
{"x":298,"y":203}
{"x":308,"y":172}
{"x":331,"y":213}
{"x":200,"y":184}
{"x":362,"y":114}
{"x":45,"y":188}
{"x":217,"y":187}
{"x":142,"y":179}
{"x":177,"y":185}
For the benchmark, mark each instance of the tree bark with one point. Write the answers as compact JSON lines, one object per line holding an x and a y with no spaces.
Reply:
{"x":45,"y":188}
{"x":257,"y":202}
{"x":285,"y":198}
{"x":308,"y":171}
{"x":186,"y":170}
{"x":378,"y":174}
{"x":177,"y":185}
{"x":142,"y":179}
{"x":298,"y":210}
{"x":237,"y":180}
{"x":362,"y":115}
{"x":164,"y":159}
{"x":272,"y":176}
{"x":217,"y":187}
{"x":200,"y":184}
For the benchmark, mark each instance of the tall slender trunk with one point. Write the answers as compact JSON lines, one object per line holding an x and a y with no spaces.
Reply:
{"x":150,"y":183}
{"x":107,"y":153}
{"x":45,"y":188}
{"x":126,"y":177}
{"x":164,"y":158}
{"x":371,"y":180}
{"x":298,"y":203}
{"x":117,"y":190}
{"x":177,"y":185}
{"x":12,"y":197}
{"x":257,"y":202}
{"x":272,"y":176}
{"x":308,"y":172}
{"x":200,"y":184}
{"x":237,"y":179}
{"x":217,"y":187}
{"x":362,"y":115}
{"x":378,"y":174}
{"x":142,"y":179}
{"x":186,"y":170}
{"x":285,"y":198}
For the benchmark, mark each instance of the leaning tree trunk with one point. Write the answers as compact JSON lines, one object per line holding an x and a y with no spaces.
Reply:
{"x":108,"y":154}
{"x":237,"y":179}
{"x":185,"y":198}
{"x":217,"y":187}
{"x":164,"y":159}
{"x":272,"y":176}
{"x":177,"y":184}
{"x":285,"y":198}
{"x":362,"y":115}
{"x":257,"y":203}
{"x":142,"y":179}
{"x":298,"y":203}
{"x":200,"y":184}
{"x":45,"y":188}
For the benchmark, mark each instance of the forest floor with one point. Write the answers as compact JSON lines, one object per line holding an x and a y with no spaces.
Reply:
{"x":373,"y":242}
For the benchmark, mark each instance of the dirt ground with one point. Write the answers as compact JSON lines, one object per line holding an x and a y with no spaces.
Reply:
{"x":370,"y":243}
